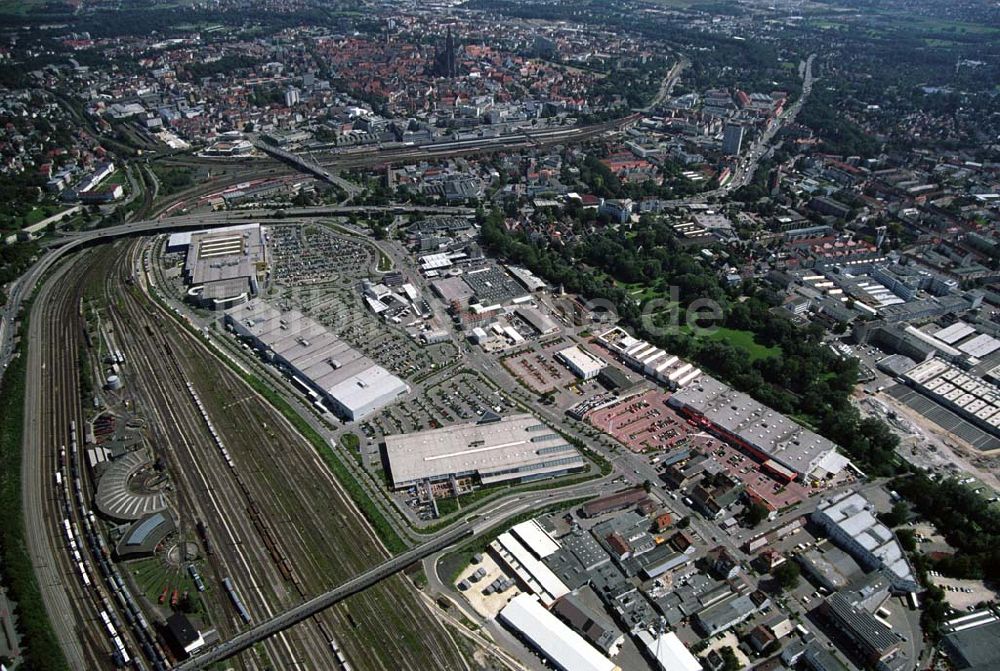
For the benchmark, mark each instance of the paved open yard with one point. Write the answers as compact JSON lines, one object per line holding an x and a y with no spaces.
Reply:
{"x":538,"y":370}
{"x":959,"y":599}
{"x":643,"y":423}
{"x":776,"y":493}
{"x":487,"y":606}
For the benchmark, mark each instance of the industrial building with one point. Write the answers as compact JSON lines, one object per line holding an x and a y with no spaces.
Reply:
{"x":582,"y":363}
{"x":492,"y":287}
{"x":222,"y":265}
{"x":531,"y":573}
{"x":669,"y":652}
{"x":965,"y":393}
{"x":971,"y":641}
{"x":539,"y":322}
{"x":513,"y":448}
{"x":183,"y":637}
{"x":329,"y":370}
{"x":849,"y":520}
{"x":482,"y":290}
{"x":614,"y":502}
{"x":785,"y":448}
{"x":533,"y":536}
{"x":531,"y":282}
{"x":651,"y":361}
{"x":561,"y":646}
{"x":968,"y":339}
{"x":872,"y":640}
{"x":593,"y":626}
{"x":727,"y":613}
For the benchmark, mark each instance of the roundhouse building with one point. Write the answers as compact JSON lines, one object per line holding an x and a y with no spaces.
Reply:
{"x":142,"y":537}
{"x":116,"y":496}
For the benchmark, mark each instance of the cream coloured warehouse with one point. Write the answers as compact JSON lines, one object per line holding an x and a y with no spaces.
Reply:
{"x":518,"y":447}
{"x":583,"y":364}
{"x":353,"y":385}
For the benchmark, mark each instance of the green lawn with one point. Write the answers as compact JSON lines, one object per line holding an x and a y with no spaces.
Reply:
{"x":743,"y":340}
{"x":945,"y":25}
{"x":37,"y":214}
{"x":117,"y":177}
{"x":19,"y":7}
{"x":153,"y":576}
{"x":684,"y":3}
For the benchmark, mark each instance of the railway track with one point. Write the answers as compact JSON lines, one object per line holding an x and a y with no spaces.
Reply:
{"x":269,"y":168}
{"x":278,"y":545}
{"x":215,"y":498}
{"x":52,"y":404}
{"x":312,"y":532}
{"x":101,"y":613}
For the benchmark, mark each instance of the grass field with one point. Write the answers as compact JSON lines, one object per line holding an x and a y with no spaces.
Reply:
{"x":685,"y":3}
{"x":743,"y":340}
{"x":117,"y":177}
{"x":19,"y":7}
{"x":153,"y":575}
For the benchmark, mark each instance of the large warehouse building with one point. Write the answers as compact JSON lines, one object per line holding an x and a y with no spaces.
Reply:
{"x":584,"y":365}
{"x":518,"y":447}
{"x":780,"y":443}
{"x":967,"y":394}
{"x":222,"y":266}
{"x":849,"y":520}
{"x":565,"y":649}
{"x":331,"y":371}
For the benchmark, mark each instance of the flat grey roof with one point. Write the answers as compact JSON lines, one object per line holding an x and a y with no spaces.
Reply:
{"x":326,"y":361}
{"x":221,"y":255}
{"x":862,"y":624}
{"x":785,"y":441}
{"x":975,"y":645}
{"x":516,"y":446}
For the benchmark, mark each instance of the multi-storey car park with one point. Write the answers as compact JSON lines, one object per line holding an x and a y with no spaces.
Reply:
{"x":493,"y":450}
{"x":328,"y":369}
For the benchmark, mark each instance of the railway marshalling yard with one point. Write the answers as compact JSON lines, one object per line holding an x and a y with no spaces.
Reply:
{"x":255,"y":506}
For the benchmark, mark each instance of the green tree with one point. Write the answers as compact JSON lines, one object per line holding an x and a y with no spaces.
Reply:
{"x":787,"y":575}
{"x":898,"y":515}
{"x":729,"y":659}
{"x":907,"y":539}
{"x":756,"y":513}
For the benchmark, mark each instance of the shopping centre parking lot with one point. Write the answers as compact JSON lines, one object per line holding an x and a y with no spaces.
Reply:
{"x":642,"y":423}
{"x":315,"y":254}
